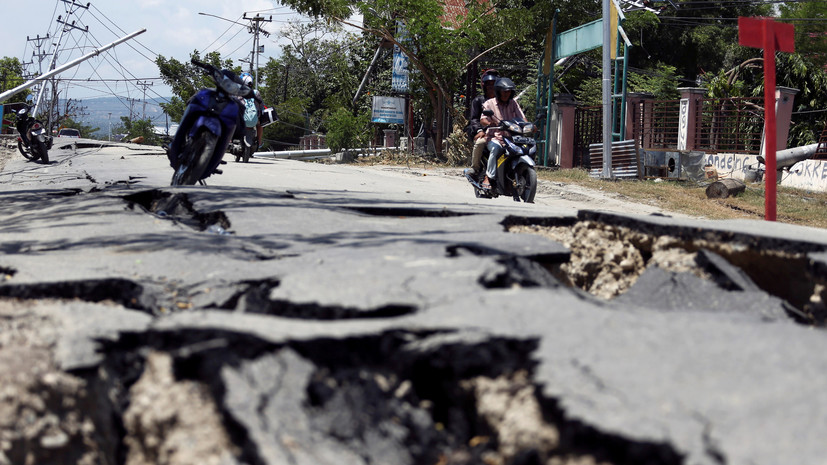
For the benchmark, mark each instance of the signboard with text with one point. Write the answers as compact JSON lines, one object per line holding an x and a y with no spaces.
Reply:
{"x":400,"y":75}
{"x":388,"y":110}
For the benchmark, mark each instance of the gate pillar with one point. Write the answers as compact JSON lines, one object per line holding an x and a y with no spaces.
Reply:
{"x":565,"y":106}
{"x":691,"y":101}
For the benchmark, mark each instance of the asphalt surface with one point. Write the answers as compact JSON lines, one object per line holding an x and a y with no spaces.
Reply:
{"x":280,"y":274}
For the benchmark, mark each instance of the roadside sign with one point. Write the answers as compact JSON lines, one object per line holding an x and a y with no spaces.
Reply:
{"x":388,"y":110}
{"x":769,"y":35}
{"x":399,"y":79}
{"x":400,"y":73}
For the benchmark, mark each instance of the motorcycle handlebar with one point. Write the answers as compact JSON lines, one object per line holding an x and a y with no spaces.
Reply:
{"x":205,"y":66}
{"x":214,"y":71}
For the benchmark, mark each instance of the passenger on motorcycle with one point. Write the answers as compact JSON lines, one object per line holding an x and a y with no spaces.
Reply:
{"x":474,"y":129}
{"x":504,"y":107}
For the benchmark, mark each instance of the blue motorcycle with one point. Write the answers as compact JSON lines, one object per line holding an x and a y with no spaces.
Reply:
{"x":207,"y":127}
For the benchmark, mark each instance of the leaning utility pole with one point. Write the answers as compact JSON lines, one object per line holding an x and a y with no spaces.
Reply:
{"x":144,"y":85}
{"x":255,"y":29}
{"x":70,"y":9}
{"x":131,"y":106}
{"x":40,"y":54}
{"x":9,"y":93}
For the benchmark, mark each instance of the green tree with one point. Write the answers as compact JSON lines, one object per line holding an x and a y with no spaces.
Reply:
{"x":11,"y":76}
{"x":696,"y":38}
{"x":313,"y":66}
{"x":291,"y":125}
{"x":439,"y":49}
{"x":313,"y":74}
{"x":346,"y":131}
{"x":810,"y":36}
{"x":140,"y":128}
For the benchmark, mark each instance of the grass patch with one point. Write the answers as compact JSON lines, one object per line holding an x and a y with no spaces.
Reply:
{"x":794,"y":206}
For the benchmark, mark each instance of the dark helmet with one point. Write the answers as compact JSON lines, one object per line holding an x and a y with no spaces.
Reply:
{"x":504,"y":84}
{"x":489,"y":75}
{"x":488,"y":78}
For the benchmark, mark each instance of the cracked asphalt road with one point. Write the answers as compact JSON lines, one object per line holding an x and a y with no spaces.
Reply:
{"x":336,"y":314}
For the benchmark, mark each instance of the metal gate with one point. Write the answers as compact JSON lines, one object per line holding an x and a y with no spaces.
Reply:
{"x":588,"y":129}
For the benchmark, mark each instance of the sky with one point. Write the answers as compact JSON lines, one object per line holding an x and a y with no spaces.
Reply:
{"x":174,"y":29}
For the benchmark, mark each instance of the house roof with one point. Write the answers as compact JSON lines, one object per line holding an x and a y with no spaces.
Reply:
{"x":455,"y":12}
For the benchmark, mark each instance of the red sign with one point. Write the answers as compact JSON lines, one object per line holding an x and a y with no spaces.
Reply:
{"x":771,"y":36}
{"x":751,"y":34}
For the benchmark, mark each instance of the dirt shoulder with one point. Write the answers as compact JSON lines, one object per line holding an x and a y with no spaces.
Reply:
{"x":549,"y":193}
{"x":6,"y":153}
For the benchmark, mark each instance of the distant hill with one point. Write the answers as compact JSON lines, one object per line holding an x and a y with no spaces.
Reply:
{"x":97,"y":112}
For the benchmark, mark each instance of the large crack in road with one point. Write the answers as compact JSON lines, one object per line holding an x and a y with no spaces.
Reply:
{"x":243,"y":326}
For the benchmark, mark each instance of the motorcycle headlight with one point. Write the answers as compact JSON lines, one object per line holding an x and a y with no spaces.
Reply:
{"x":528,"y":128}
{"x":231,"y":87}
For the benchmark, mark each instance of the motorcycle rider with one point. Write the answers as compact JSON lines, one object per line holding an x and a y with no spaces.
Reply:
{"x":504,"y":107}
{"x":247,"y":79}
{"x":474,"y":129}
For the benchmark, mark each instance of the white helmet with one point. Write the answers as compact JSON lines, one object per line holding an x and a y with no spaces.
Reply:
{"x":247,"y":79}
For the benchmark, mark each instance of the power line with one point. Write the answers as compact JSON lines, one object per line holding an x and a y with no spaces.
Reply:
{"x":123,"y":32}
{"x":230,"y":40}
{"x":125,"y":71}
{"x":705,"y":18}
{"x":219,"y":37}
{"x":112,"y":79}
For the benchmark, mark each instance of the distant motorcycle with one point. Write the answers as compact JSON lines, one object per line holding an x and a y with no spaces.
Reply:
{"x":33,"y":141}
{"x":244,"y":147}
{"x":207,"y":127}
{"x":516,"y":175}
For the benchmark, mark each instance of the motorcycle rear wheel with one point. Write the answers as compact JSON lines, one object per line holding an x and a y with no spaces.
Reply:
{"x":25,"y":152}
{"x":530,"y":189}
{"x":40,"y":151}
{"x":197,"y":153}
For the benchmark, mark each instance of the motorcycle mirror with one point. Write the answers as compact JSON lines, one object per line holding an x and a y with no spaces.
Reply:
{"x":488,"y":112}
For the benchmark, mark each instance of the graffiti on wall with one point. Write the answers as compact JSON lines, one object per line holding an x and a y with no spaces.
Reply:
{"x":683,"y":123}
{"x":733,"y":164}
{"x":807,"y":174}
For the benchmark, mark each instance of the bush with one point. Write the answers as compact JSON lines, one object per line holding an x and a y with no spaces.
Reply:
{"x":459,"y":147}
{"x":345,"y":131}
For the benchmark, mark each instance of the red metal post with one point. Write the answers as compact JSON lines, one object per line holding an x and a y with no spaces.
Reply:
{"x":769,"y":35}
{"x":769,"y":122}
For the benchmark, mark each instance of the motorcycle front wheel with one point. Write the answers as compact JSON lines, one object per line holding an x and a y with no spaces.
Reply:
{"x":196,"y":156}
{"x":25,"y":152}
{"x":529,"y":176}
{"x":39,"y":151}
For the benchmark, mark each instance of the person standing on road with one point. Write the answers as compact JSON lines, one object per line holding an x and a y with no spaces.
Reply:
{"x":504,"y":107}
{"x":474,"y":129}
